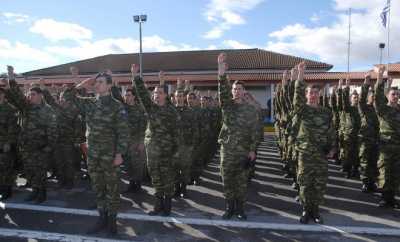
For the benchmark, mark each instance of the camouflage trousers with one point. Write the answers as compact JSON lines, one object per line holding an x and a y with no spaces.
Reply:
{"x":350,"y":153}
{"x":136,"y":162}
{"x":197,"y":161}
{"x":65,"y":162}
{"x":368,"y":155}
{"x":104,"y":176}
{"x":183,"y":163}
{"x":234,"y":176}
{"x":7,"y":171}
{"x":389,"y":167}
{"x":312,"y":176}
{"x":161,"y":170}
{"x":35,"y":166}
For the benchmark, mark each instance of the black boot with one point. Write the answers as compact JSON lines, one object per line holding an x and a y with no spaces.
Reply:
{"x":42,"y":196}
{"x":177,"y":193}
{"x":388,"y":200}
{"x":34,"y":194}
{"x":183,"y":190}
{"x":131,"y":187}
{"x":305,"y":215}
{"x":112,"y":225}
{"x":316,"y":215}
{"x":138,"y":186}
{"x":100,"y":224}
{"x":229,"y":209}
{"x":158,"y":206}
{"x":167,"y":206}
{"x":240,"y":210}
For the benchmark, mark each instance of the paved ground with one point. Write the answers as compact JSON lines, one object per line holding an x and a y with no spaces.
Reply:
{"x":272,"y":212}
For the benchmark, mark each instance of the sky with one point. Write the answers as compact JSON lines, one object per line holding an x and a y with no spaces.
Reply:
{"x":43,"y":33}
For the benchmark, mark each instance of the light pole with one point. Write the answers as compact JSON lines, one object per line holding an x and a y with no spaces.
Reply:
{"x":140,"y":19}
{"x":381,"y":47}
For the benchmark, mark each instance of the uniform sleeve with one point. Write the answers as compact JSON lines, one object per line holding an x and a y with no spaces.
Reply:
{"x":122,"y":130}
{"x":116,"y":93}
{"x":81,"y":103}
{"x":331,"y":133}
{"x":299,"y":95}
{"x":51,"y":128}
{"x":15,"y":96}
{"x":380,"y":99}
{"x":346,"y":99}
{"x":340,"y":99}
{"x":333,"y":101}
{"x":224,"y":91}
{"x":254,"y":132}
{"x":143,"y":94}
{"x":363,"y":99}
{"x":12,"y":127}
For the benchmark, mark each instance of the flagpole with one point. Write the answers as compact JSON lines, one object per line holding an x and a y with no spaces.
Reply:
{"x":348,"y":44}
{"x":388,"y":38}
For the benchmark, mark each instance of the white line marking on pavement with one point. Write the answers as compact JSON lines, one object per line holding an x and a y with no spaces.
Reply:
{"x":214,"y":222}
{"x":31,"y":234}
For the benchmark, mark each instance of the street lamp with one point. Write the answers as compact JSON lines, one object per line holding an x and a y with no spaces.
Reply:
{"x":140,"y":19}
{"x":381,"y":47}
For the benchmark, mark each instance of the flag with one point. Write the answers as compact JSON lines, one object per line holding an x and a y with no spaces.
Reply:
{"x":384,"y":13}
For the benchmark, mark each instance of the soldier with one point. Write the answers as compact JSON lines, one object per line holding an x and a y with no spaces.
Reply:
{"x":350,"y":131}
{"x":368,"y":137}
{"x":160,"y":141}
{"x":314,"y":141}
{"x":67,"y":117}
{"x":136,"y":157}
{"x":8,"y":140}
{"x":388,"y":111}
{"x":107,"y":139}
{"x":238,"y":140}
{"x":37,"y":136}
{"x":189,"y":136}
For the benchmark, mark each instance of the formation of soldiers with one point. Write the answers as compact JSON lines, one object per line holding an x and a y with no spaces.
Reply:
{"x":360,"y":133}
{"x":103,"y":127}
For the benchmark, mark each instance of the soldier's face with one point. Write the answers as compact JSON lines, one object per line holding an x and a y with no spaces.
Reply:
{"x":191,"y":100}
{"x":237,"y":91}
{"x":312,"y":95}
{"x":354,"y":99}
{"x":34,"y":97}
{"x":203,"y":102}
{"x":179,"y":98}
{"x":101,"y":86}
{"x":393,"y":96}
{"x":371,"y":98}
{"x":159,"y":96}
{"x":129,"y":98}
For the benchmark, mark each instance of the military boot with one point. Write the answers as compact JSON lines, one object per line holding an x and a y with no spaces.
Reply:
{"x":100,"y":224}
{"x":158,"y":206}
{"x":229,"y":209}
{"x":316,"y":215}
{"x":177,"y":193}
{"x":305,"y":215}
{"x":183,"y":190}
{"x":112,"y":225}
{"x":42,"y":196}
{"x":7,"y":193}
{"x":34,"y":194}
{"x":240,"y":210}
{"x":167,"y":206}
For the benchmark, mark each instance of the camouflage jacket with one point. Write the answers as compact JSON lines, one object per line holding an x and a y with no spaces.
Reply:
{"x":137,"y":122}
{"x":239,"y":120}
{"x":187,"y":125}
{"x":369,"y":129}
{"x":316,"y":132}
{"x":389,"y":117}
{"x":8,"y":125}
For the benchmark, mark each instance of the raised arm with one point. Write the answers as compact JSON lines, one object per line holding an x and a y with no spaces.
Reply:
{"x":346,"y":96}
{"x":300,"y":90}
{"x":14,"y":94}
{"x":224,"y":90}
{"x":143,"y":94}
{"x":380,"y":99}
{"x":362,"y":104}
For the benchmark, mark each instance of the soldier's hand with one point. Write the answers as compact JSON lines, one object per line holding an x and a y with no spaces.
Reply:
{"x":348,"y":81}
{"x":381,"y":70}
{"x":252,"y":155}
{"x":118,"y":160}
{"x":74,"y":71}
{"x":10,"y":71}
{"x":293,"y":73}
{"x":161,"y":77}
{"x":42,"y":83}
{"x":222,"y":65}
{"x":135,"y":69}
{"x":389,"y":81}
{"x":367,"y":78}
{"x":285,"y":77}
{"x":301,"y":68}
{"x":6,"y":148}
{"x":340,"y":84}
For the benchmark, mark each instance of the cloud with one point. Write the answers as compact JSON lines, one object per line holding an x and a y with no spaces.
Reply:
{"x":329,"y":43}
{"x":223,"y":14}
{"x":56,"y":31}
{"x":233,"y":44}
{"x":12,"y":18}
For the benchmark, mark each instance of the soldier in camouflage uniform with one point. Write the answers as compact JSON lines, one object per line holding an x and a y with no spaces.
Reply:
{"x":238,"y":140}
{"x":368,"y":137}
{"x":107,"y":139}
{"x":8,"y":140}
{"x":314,"y":141}
{"x":189,"y":136}
{"x":388,"y":111}
{"x":350,"y":132}
{"x":160,"y":141}
{"x":67,"y":117}
{"x":37,"y":137}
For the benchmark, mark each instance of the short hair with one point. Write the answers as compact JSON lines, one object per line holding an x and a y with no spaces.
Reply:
{"x":393,"y":89}
{"x":36,"y":89}
{"x":192,"y":94}
{"x":163,"y":87}
{"x":313,"y":86}
{"x":354,"y":93}
{"x":131,"y":90}
{"x":237,"y":82}
{"x":106,"y":76}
